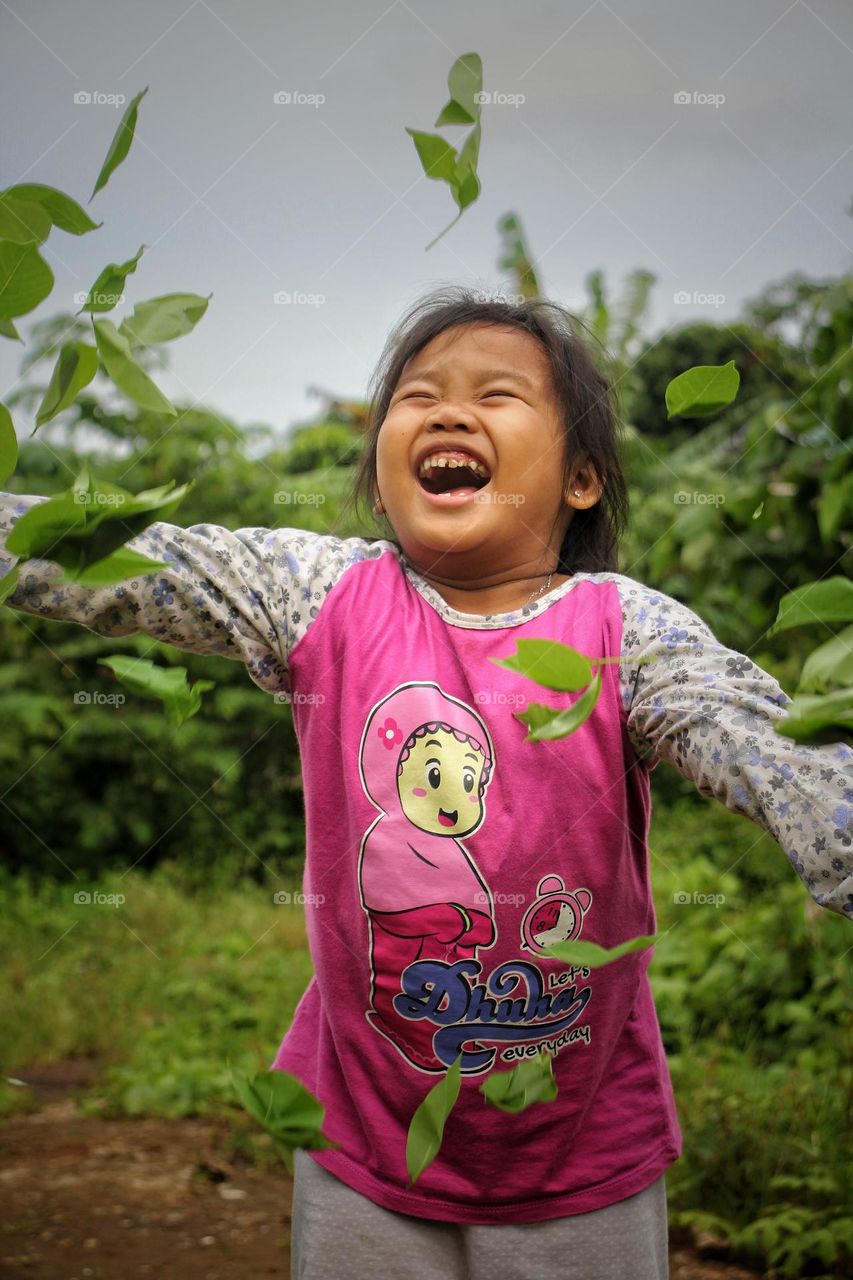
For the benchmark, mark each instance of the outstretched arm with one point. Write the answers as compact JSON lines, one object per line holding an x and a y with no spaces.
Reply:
{"x":709,"y":711}
{"x":247,"y":595}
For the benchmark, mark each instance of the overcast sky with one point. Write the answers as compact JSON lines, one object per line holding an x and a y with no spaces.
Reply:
{"x":239,"y":196}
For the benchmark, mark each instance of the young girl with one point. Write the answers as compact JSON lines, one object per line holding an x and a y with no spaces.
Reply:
{"x":444,"y":851}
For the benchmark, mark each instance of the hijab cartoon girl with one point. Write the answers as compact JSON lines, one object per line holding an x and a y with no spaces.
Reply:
{"x":425,"y":760}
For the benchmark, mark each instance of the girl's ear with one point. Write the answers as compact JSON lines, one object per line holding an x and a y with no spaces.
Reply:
{"x":585,"y":489}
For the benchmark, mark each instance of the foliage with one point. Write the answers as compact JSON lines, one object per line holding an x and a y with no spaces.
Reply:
{"x":762,"y":495}
{"x":438,"y":158}
{"x":426,"y":1129}
{"x":290,"y":1114}
{"x":765,"y":362}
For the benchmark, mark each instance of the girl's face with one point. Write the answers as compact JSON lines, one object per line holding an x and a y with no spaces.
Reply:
{"x":475,"y":394}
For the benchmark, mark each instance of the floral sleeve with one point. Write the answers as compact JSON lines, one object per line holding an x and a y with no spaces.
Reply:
{"x":247,"y":595}
{"x":709,"y":711}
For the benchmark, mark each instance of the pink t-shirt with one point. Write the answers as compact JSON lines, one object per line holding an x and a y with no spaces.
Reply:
{"x":443,"y":853}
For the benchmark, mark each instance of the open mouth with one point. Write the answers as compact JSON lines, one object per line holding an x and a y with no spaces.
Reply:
{"x":448,"y":819}
{"x":451,"y":472}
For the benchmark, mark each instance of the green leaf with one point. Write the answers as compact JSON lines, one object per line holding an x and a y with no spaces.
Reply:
{"x":8,"y":583}
{"x":120,"y":144}
{"x":107,"y":290}
{"x":289,"y":1112}
{"x":830,"y":666}
{"x":550,"y":663}
{"x":453,"y":113}
{"x":165,"y":684}
{"x":833,"y":505}
{"x":818,"y":718}
{"x":702,"y":390}
{"x":467,"y":186}
{"x":439,"y":160}
{"x":426,"y":1130}
{"x":25,"y":279}
{"x":42,"y":527}
{"x":75,"y":368}
{"x":546,"y":724}
{"x":163,"y":319}
{"x":8,"y":445}
{"x":532,"y":1080}
{"x":117,"y":567}
{"x":436,"y":155}
{"x":89,"y":521}
{"x":830,"y":600}
{"x":8,"y":330}
{"x":591,"y":956}
{"x":464,"y":81}
{"x":22,"y":221}
{"x":64,"y":213}
{"x":128,"y":376}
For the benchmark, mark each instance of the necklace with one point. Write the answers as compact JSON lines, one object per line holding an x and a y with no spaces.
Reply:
{"x":542,"y":589}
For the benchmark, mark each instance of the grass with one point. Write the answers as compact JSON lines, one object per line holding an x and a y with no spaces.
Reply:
{"x":753,"y":994}
{"x":164,"y":990}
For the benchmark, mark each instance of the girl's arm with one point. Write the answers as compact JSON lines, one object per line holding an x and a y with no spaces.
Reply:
{"x":247,"y":595}
{"x":710,"y":711}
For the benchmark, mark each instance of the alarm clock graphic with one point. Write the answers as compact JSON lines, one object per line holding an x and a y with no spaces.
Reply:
{"x":555,"y":916}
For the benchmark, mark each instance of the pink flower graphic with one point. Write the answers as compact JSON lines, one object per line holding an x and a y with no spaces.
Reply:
{"x":390,"y":733}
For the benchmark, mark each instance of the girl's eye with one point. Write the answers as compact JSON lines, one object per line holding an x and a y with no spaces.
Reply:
{"x":498,"y":393}
{"x":468,"y":781}
{"x":434,"y":777}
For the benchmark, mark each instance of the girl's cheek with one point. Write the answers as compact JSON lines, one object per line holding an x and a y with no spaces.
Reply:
{"x":418,"y":791}
{"x":473,"y":799}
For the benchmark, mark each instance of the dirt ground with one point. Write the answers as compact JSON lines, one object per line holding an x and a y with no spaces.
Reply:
{"x":120,"y":1199}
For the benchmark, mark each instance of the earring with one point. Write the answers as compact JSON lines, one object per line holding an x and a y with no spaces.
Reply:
{"x":577,"y":492}
{"x":378,"y":507}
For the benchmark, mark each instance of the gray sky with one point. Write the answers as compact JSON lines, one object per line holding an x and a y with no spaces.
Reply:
{"x":241,"y":197}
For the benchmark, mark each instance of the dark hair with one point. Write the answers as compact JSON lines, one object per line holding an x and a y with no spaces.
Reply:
{"x":586,"y":397}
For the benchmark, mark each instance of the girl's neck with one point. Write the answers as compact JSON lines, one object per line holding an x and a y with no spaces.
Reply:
{"x":501,"y":597}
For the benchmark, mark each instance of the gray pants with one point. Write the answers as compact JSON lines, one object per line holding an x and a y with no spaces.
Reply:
{"x":339,"y":1234}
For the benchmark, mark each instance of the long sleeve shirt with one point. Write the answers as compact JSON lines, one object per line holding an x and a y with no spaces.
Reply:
{"x":445,"y":852}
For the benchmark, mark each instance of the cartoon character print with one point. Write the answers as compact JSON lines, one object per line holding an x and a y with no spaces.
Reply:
{"x":425,"y":761}
{"x":555,"y":916}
